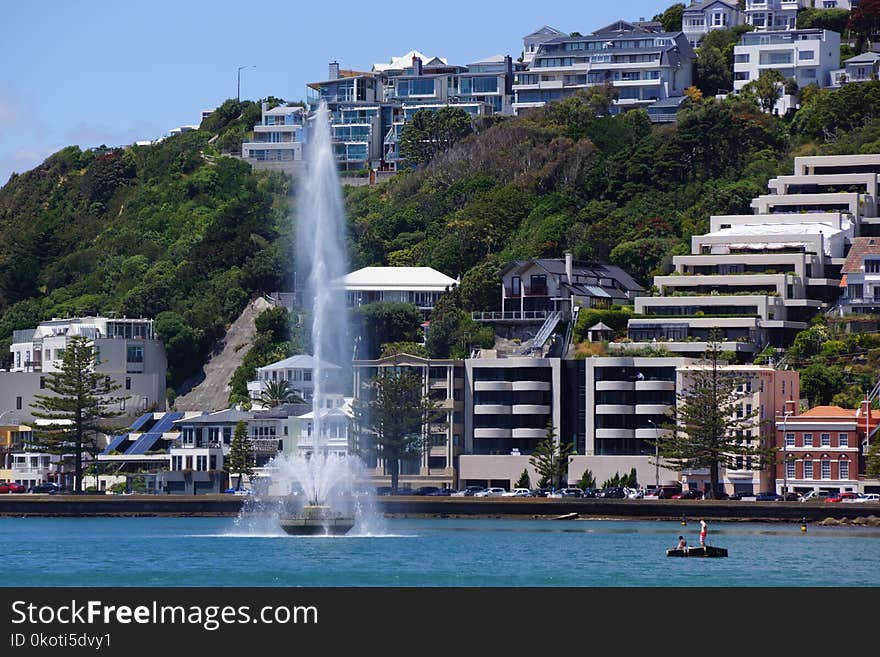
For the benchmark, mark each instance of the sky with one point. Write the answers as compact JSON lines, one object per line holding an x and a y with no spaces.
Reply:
{"x":100,"y":72}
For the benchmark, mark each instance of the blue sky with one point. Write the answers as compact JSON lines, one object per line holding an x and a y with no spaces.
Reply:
{"x":97,"y":72}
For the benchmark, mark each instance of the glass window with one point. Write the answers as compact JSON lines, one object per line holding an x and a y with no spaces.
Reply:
{"x":135,"y":353}
{"x":808,"y":440}
{"x":826,"y":469}
{"x":789,"y":440}
{"x":872,"y":266}
{"x":789,"y":470}
{"x":843,"y":440}
{"x":808,"y":469}
{"x":826,"y":440}
{"x":844,"y":470}
{"x":807,"y":54}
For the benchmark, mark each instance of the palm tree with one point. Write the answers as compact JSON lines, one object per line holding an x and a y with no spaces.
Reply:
{"x":278,"y":392}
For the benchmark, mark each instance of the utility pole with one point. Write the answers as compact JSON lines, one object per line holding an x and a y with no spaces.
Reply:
{"x":238,"y":88}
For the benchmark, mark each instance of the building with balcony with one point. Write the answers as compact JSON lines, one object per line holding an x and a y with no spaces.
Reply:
{"x":822,"y":448}
{"x":420,"y":286}
{"x":769,"y":15}
{"x":299,"y":373}
{"x":805,"y":56}
{"x":644,"y":66}
{"x":279,"y":140}
{"x":861,"y":277}
{"x":703,"y":16}
{"x":532,"y":41}
{"x":443,"y":380}
{"x":861,"y":68}
{"x":127,"y":351}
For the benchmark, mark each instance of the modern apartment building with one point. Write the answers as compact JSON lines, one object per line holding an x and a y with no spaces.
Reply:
{"x":703,"y":16}
{"x":760,"y":278}
{"x":127,"y":351}
{"x":645,"y":66}
{"x":805,"y":56}
{"x":444,"y":382}
{"x":769,"y":15}
{"x":279,"y":140}
{"x":861,"y":68}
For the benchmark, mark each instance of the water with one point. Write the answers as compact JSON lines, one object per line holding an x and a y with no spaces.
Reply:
{"x":430,"y":552}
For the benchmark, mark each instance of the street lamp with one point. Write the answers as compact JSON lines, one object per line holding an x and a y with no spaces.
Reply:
{"x":784,"y":454}
{"x":238,"y":88}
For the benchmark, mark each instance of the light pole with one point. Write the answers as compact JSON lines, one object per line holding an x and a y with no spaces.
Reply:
{"x":656,"y":455}
{"x":785,"y":415}
{"x":238,"y":88}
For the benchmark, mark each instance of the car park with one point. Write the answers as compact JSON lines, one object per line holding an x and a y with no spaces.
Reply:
{"x":11,"y":487}
{"x":491,"y":492}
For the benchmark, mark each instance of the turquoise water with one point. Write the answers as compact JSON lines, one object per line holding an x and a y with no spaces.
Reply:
{"x":429,"y":552}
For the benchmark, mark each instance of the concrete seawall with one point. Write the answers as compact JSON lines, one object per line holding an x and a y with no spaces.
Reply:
{"x":230,"y":505}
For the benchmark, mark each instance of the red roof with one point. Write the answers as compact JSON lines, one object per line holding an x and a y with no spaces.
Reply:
{"x":861,"y":246}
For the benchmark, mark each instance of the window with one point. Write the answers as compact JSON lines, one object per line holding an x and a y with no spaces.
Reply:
{"x":825,"y":440}
{"x":844,"y":470}
{"x":213,"y":461}
{"x":854,"y":290}
{"x":872,"y":266}
{"x":227,"y":435}
{"x":789,"y":440}
{"x":843,"y":440}
{"x":122,"y":404}
{"x":808,"y":469}
{"x":135,"y":353}
{"x":808,"y":440}
{"x":807,"y":54}
{"x":42,"y":382}
{"x":539,"y":284}
{"x":201,"y":463}
{"x":789,"y":470}
{"x":128,"y":383}
{"x":826,"y":469}
{"x":18,"y":403}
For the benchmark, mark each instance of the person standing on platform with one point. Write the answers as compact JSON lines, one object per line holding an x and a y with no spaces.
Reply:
{"x":703,"y":531}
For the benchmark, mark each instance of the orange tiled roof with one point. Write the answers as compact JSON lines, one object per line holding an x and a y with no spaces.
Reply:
{"x":829,"y":411}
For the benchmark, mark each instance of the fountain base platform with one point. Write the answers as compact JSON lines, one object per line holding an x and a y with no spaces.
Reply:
{"x":317,"y":521}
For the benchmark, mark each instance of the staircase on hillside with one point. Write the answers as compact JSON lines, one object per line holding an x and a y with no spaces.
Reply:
{"x":543,"y":333}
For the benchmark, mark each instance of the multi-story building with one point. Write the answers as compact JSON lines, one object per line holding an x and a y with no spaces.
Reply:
{"x":861,"y":68}
{"x":298,"y":372}
{"x":644,"y":66}
{"x":764,"y":393}
{"x":805,"y":56}
{"x":822,"y":448}
{"x":144,"y":449}
{"x":127,"y":351}
{"x":13,"y":437}
{"x":767,"y":15}
{"x":279,"y":140}
{"x":335,"y":419}
{"x":760,"y":278}
{"x":861,"y":277}
{"x":532,"y":41}
{"x":443,"y":380}
{"x":703,"y":16}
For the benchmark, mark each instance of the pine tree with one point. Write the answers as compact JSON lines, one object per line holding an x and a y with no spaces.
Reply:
{"x":550,"y":459}
{"x":78,"y":408}
{"x":523,"y":481}
{"x":240,"y":459}
{"x":710,"y":428}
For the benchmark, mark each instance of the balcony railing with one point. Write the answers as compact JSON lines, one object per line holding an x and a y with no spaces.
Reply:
{"x":536,"y":291}
{"x":859,"y":301}
{"x":509,"y":315}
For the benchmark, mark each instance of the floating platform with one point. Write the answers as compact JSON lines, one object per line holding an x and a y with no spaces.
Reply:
{"x":707,"y":551}
{"x":317,"y":521}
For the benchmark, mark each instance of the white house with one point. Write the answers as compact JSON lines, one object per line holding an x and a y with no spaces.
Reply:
{"x":298,"y":371}
{"x":765,"y":15}
{"x":703,"y":16}
{"x":421,"y":286}
{"x":861,"y":68}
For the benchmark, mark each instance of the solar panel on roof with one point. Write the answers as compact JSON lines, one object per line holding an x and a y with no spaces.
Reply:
{"x":141,"y":421}
{"x":115,"y":443}
{"x":146,"y":441}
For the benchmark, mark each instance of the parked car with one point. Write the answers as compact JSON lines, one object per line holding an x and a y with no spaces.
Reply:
{"x":518,"y":492}
{"x":740,"y":495}
{"x":470,"y":491}
{"x":491,"y":492}
{"x":591,"y":492}
{"x":768,"y":496}
{"x":442,"y":492}
{"x":383,"y":490}
{"x":815,"y":496}
{"x":426,"y":490}
{"x":844,"y":497}
{"x":871,"y":497}
{"x":11,"y":487}
{"x":571,"y":492}
{"x":615,"y":492}
{"x":634,"y":493}
{"x":688,"y":495}
{"x":47,"y":487}
{"x":541,"y":492}
{"x":791,"y":496}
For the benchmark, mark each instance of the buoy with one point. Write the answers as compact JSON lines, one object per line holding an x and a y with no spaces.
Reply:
{"x":803,"y":524}
{"x":683,"y":521}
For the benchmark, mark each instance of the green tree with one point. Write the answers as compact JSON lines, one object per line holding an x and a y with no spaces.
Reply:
{"x":766,"y":90}
{"x":394,"y":411}
{"x":429,"y":132}
{"x":240,"y":460}
{"x":523,"y":481}
{"x":834,"y":20}
{"x":672,"y":17}
{"x":712,"y":74}
{"x":821,"y":382}
{"x":385,"y":321}
{"x":872,"y":459}
{"x":79,"y":407}
{"x":588,"y":480}
{"x":550,"y":459}
{"x":276,"y":393}
{"x":864,"y":22}
{"x":710,"y":428}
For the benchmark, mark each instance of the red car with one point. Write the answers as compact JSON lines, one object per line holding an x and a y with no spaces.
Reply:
{"x":842,"y":497}
{"x":688,"y":495}
{"x":11,"y":487}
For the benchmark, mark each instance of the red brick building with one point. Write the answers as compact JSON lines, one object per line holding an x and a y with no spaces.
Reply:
{"x":822,"y":448}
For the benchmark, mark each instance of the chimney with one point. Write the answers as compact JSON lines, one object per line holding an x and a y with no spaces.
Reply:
{"x":334,"y":70}
{"x":865,"y":412}
{"x":791,"y":407}
{"x":416,"y":65}
{"x":568,"y":267}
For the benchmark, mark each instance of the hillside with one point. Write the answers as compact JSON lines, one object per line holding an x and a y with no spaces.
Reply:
{"x":178,"y":232}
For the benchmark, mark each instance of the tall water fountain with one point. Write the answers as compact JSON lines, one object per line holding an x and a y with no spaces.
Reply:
{"x":321,"y":252}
